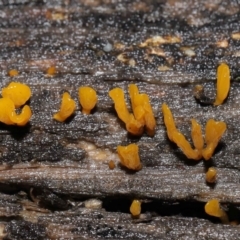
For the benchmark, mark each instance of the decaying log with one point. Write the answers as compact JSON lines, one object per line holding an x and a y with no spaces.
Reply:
{"x":49,"y":169}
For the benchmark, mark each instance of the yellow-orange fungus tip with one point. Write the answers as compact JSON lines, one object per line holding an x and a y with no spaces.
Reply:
{"x":223,"y":83}
{"x":185,"y":146}
{"x":168,"y":120}
{"x":129,"y":156}
{"x":117,"y":96}
{"x":142,"y":109}
{"x":67,"y":108}
{"x":212,"y":208}
{"x":197,"y":135}
{"x":6,"y":109}
{"x":23,"y":118}
{"x":111,"y":164}
{"x":9,"y":116}
{"x":213,"y":133}
{"x":51,"y":71}
{"x":13,"y":73}
{"x":19,"y":93}
{"x":133,"y":126}
{"x":135,"y":208}
{"x":211,"y":175}
{"x":88,"y":99}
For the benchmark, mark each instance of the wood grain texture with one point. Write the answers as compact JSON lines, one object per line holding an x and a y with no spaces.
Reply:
{"x":48,"y":169}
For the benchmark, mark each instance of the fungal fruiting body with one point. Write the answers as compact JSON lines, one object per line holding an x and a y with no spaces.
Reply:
{"x":213,"y":133}
{"x":111,"y":164}
{"x":197,"y":136}
{"x":142,"y":110}
{"x":176,"y":136}
{"x":211,"y":175}
{"x":213,"y":208}
{"x":51,"y":71}
{"x":23,"y":118}
{"x":169,"y":121}
{"x":67,"y":108}
{"x":137,"y":103}
{"x":223,"y":83}
{"x":88,"y":99}
{"x":129,"y":156}
{"x":8,"y":115}
{"x":13,"y":73}
{"x":19,"y":93}
{"x":6,"y":108}
{"x":135,"y":208}
{"x":132,"y":125}
{"x":120,"y":105}
{"x":185,"y":146}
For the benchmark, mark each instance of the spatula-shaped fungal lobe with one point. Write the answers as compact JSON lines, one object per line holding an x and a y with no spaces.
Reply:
{"x":18,"y":92}
{"x":223,"y":83}
{"x":88,"y":99}
{"x":129,"y":156}
{"x":67,"y":108}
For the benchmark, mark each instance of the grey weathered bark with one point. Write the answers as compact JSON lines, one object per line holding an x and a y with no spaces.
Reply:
{"x":48,"y":169}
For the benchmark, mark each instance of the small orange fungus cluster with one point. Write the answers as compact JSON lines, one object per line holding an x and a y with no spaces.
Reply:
{"x":213,"y":208}
{"x":211,"y":175}
{"x":213,"y":133}
{"x":111,"y":164}
{"x":14,"y":96}
{"x":88,"y":99}
{"x":129,"y":156}
{"x":142,"y":111}
{"x":135,"y":208}
{"x":67,"y":108}
{"x":13,"y":73}
{"x":19,"y":93}
{"x":223,"y":83}
{"x":51,"y":71}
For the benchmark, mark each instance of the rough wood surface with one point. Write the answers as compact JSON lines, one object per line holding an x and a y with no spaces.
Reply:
{"x":48,"y":169}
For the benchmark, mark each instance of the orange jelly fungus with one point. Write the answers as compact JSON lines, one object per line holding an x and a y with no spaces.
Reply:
{"x":169,"y":121}
{"x":129,"y":156}
{"x":13,"y":73}
{"x":9,"y":116}
{"x":223,"y":83}
{"x":197,"y":136}
{"x":132,"y":125}
{"x":117,"y":96}
{"x":213,"y":133}
{"x":67,"y":108}
{"x":135,"y":208}
{"x":19,"y":93}
{"x":88,"y":99}
{"x":211,"y":175}
{"x":51,"y":71}
{"x":142,"y":109}
{"x":212,"y":208}
{"x":176,"y":136}
{"x":185,"y":146}
{"x":111,"y":164}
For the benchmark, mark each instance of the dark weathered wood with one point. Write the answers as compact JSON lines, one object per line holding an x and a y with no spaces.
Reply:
{"x":48,"y":166}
